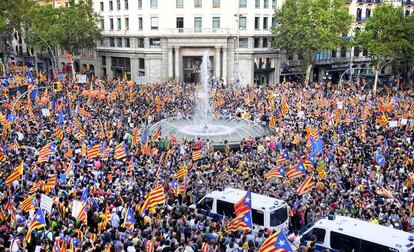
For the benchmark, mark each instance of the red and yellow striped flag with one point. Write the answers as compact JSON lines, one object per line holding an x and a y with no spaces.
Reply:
{"x":181,"y":172}
{"x":27,"y":204}
{"x":15,"y":175}
{"x":196,"y":155}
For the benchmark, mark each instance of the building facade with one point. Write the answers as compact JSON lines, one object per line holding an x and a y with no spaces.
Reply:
{"x":343,"y":62}
{"x":159,"y":40}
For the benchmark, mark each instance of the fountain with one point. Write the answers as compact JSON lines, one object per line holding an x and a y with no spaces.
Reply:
{"x":203,"y":125}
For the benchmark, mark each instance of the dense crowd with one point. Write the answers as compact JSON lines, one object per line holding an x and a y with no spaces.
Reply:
{"x":354,"y":126}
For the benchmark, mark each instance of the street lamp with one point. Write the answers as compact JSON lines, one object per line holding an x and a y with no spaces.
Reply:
{"x":48,"y":46}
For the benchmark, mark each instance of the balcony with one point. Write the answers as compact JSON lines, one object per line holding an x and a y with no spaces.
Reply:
{"x":360,"y":19}
{"x":202,"y":31}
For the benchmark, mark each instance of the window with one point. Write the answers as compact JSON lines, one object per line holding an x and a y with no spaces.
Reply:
{"x":197,"y":3}
{"x":141,"y":63}
{"x":367,"y":13}
{"x":111,"y":5}
{"x":103,"y":61}
{"x":273,"y":4}
{"x":257,"y":23}
{"x":140,"y":25}
{"x":344,"y":242}
{"x":257,"y":217}
{"x":111,"y":24}
{"x":242,"y":3}
{"x":265,"y":43}
{"x":179,"y":4}
{"x":180,"y":22}
{"x":102,"y":6}
{"x":278,"y":216}
{"x":126,"y":4}
{"x":216,"y":22}
{"x":139,"y":4}
{"x":118,"y":4}
{"x":243,"y":43}
{"x":273,"y":22}
{"x":127,"y":42}
{"x":257,"y":4}
{"x":242,"y":23}
{"x":118,"y":24}
{"x":256,"y":42}
{"x":407,"y":13}
{"x":155,"y":42}
{"x":198,"y":24}
{"x":140,"y":43}
{"x":333,"y":55}
{"x":216,"y":3}
{"x":102,"y":24}
{"x":343,"y":52}
{"x":318,"y":232}
{"x":126,"y":24}
{"x":118,"y":42}
{"x":265,"y":4}
{"x":154,"y":4}
{"x":154,"y":23}
{"x":225,"y":208}
{"x":206,"y":204}
{"x":111,"y":42}
{"x":265,"y":23}
{"x":370,"y":246}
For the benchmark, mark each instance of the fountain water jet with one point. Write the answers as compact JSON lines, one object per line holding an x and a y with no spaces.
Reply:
{"x":202,"y":125}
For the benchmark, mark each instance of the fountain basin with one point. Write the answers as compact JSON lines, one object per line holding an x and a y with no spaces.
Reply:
{"x":218,"y":130}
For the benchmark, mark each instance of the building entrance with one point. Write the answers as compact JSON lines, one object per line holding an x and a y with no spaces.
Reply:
{"x":192,"y":66}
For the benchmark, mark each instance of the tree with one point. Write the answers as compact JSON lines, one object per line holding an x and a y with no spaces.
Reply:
{"x":42,"y":32}
{"x":13,"y":14}
{"x":386,"y":37}
{"x":305,"y":27}
{"x":78,"y":28}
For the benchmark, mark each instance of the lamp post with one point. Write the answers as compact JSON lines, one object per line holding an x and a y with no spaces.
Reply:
{"x":50,"y":49}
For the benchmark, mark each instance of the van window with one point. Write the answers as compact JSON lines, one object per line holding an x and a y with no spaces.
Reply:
{"x":374,"y":247}
{"x":258,"y":217}
{"x":278,"y":216}
{"x":205,"y":204}
{"x":344,"y":242}
{"x":225,"y":208}
{"x":318,"y":232}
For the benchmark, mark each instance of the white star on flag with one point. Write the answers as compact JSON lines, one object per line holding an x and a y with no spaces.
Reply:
{"x":281,"y":243}
{"x":247,"y":200}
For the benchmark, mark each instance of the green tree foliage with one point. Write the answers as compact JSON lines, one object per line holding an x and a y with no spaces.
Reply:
{"x":13,"y":14}
{"x":387,"y":37}
{"x":305,"y":27}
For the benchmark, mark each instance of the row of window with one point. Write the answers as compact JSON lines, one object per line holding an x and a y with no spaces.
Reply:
{"x":156,"y":42}
{"x":126,"y":42}
{"x":180,"y":4}
{"x":198,"y":23}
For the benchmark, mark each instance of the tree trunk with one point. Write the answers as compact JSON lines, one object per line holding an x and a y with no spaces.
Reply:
{"x":398,"y":81}
{"x":374,"y":88}
{"x":36,"y":63}
{"x":308,"y":72}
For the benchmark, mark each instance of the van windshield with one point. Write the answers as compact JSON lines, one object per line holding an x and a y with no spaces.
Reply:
{"x":278,"y":216}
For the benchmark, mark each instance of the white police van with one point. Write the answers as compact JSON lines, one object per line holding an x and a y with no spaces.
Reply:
{"x":340,"y":233}
{"x":266,"y":211}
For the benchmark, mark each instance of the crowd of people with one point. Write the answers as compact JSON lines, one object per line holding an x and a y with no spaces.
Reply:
{"x":69,"y":119}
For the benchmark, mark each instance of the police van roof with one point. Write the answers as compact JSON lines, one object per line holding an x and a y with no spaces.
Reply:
{"x":259,"y":202}
{"x":368,"y":231}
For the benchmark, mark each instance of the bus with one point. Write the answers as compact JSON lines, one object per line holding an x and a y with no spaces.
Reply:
{"x":267,"y":212}
{"x":340,"y":233}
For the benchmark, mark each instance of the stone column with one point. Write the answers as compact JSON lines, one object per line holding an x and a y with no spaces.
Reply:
{"x":134,"y":68}
{"x":109,"y":70}
{"x":177,"y":63}
{"x":225,"y":65}
{"x":217,"y":66}
{"x":170,"y":63}
{"x":276,"y":76}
